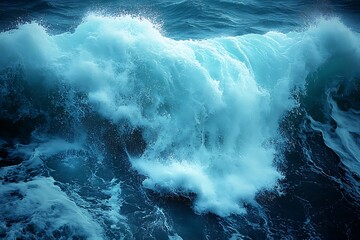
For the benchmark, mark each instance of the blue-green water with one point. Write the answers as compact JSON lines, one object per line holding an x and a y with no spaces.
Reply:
{"x":179,"y":120}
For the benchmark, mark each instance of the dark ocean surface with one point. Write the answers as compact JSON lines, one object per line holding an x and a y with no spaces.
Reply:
{"x":179,"y":119}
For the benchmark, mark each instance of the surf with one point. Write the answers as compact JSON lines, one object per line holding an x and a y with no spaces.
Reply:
{"x":204,"y":114}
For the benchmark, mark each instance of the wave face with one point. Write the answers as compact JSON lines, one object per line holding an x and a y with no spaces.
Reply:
{"x":115,"y":104}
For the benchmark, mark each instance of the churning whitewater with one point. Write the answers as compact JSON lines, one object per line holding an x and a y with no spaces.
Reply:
{"x":199,"y":119}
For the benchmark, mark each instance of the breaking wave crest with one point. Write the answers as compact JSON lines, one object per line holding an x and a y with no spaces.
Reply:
{"x":196,"y":117}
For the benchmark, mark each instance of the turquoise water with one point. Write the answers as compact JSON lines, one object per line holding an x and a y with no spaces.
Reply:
{"x":179,"y":120}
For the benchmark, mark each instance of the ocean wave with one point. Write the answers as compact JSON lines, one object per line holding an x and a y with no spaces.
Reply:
{"x":207,"y":111}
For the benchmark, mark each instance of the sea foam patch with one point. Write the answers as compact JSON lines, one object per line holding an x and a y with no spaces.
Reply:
{"x":38,"y":208}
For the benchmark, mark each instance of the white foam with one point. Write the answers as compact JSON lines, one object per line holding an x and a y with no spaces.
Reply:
{"x":38,"y":208}
{"x":208,"y":110}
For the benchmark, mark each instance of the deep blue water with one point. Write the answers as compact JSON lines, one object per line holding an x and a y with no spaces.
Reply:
{"x":179,"y":119}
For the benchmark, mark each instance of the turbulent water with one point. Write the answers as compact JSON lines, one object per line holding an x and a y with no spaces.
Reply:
{"x":179,"y":119}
